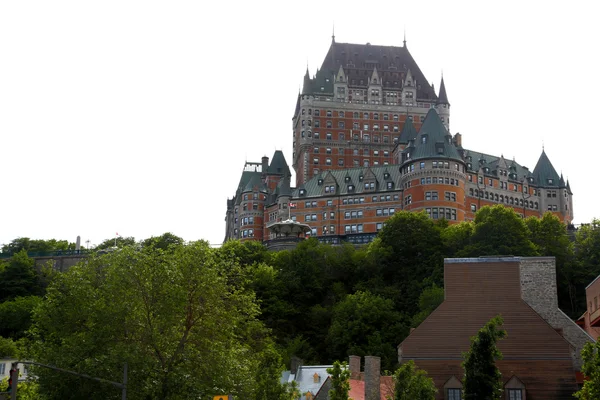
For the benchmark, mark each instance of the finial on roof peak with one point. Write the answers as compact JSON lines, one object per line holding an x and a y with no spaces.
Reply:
{"x":404,"y":36}
{"x":333,"y":34}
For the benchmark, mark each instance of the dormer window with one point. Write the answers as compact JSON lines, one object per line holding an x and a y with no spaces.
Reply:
{"x":439,"y":149}
{"x":550,"y":181}
{"x":320,"y":182}
{"x":386,"y":175}
{"x":350,"y":188}
{"x":347,"y":179}
{"x":302,"y":192}
{"x":360,"y":178}
{"x":423,"y":139}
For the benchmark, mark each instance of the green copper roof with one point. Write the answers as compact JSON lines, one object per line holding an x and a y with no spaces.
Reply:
{"x":544,"y":173}
{"x":351,"y":176}
{"x":408,"y":132}
{"x":278,"y":165}
{"x":434,"y":140}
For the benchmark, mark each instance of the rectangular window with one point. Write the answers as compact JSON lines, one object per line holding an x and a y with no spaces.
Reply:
{"x":454,"y":394}
{"x":515,"y":394}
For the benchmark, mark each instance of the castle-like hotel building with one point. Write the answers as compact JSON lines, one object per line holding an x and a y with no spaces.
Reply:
{"x":371,"y":137}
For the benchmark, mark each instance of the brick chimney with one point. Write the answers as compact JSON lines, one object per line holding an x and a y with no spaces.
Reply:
{"x":295,"y":364}
{"x":372,"y":377}
{"x":354,"y":367}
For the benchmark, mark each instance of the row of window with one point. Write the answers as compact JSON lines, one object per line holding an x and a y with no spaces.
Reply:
{"x":356,"y":115}
{"x":503,"y":199}
{"x":246,"y":233}
{"x":355,"y":152}
{"x":434,"y":164}
{"x":356,"y":162}
{"x":253,"y":196}
{"x":440,"y":181}
{"x":441,"y":213}
{"x":356,"y":137}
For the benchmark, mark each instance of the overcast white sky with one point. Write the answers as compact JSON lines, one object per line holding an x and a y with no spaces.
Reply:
{"x":137,"y":117}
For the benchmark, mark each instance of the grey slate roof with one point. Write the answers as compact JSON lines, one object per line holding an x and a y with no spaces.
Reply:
{"x":544,"y":171}
{"x":391,"y":62}
{"x":443,"y":97}
{"x":313,"y":189}
{"x":279,"y":165}
{"x":434,"y":140}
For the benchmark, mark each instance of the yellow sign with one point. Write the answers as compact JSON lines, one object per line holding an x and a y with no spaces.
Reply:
{"x":222,"y":397}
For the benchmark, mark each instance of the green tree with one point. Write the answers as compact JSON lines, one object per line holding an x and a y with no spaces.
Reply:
{"x":551,"y":238}
{"x":456,"y":237}
{"x":412,"y":383}
{"x":268,"y":377}
{"x":19,"y":277}
{"x":483,"y":379}
{"x":118,"y":242}
{"x":366,"y":324}
{"x":429,"y":300}
{"x":164,"y":242}
{"x":340,"y":381}
{"x":8,"y":348}
{"x":499,"y":230}
{"x":15,"y":316}
{"x":184,"y":332}
{"x":591,"y":368}
{"x":587,"y":255}
{"x":36,"y":245}
{"x":406,"y":257}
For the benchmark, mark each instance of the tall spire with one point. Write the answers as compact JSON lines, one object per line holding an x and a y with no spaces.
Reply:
{"x":443,"y":97}
{"x":404,"y":36}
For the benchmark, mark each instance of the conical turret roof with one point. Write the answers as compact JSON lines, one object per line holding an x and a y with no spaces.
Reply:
{"x":544,"y":173}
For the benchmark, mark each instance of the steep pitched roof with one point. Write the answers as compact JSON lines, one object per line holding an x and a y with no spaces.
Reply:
{"x":279,"y":165}
{"x":434,"y":140}
{"x":255,"y":181}
{"x":408,"y":132}
{"x":544,"y":172}
{"x":392,"y":64}
{"x":443,"y":97}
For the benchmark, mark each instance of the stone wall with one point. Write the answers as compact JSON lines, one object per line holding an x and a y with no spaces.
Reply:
{"x":538,"y":289}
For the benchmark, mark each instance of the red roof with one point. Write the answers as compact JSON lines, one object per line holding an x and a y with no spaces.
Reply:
{"x":357,"y":388}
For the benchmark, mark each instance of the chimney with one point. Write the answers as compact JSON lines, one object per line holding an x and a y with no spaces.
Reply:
{"x":354,"y":367}
{"x":458,"y":139}
{"x":265,"y":164}
{"x":372,"y":377}
{"x":295,"y":364}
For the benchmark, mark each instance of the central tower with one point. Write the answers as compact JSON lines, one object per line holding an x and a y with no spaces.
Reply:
{"x":352,"y":111}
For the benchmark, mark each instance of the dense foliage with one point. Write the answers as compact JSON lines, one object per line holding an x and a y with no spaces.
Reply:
{"x":591,"y":368}
{"x":340,"y":381}
{"x":483,"y":379}
{"x":317,"y":302}
{"x":411,"y":383}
